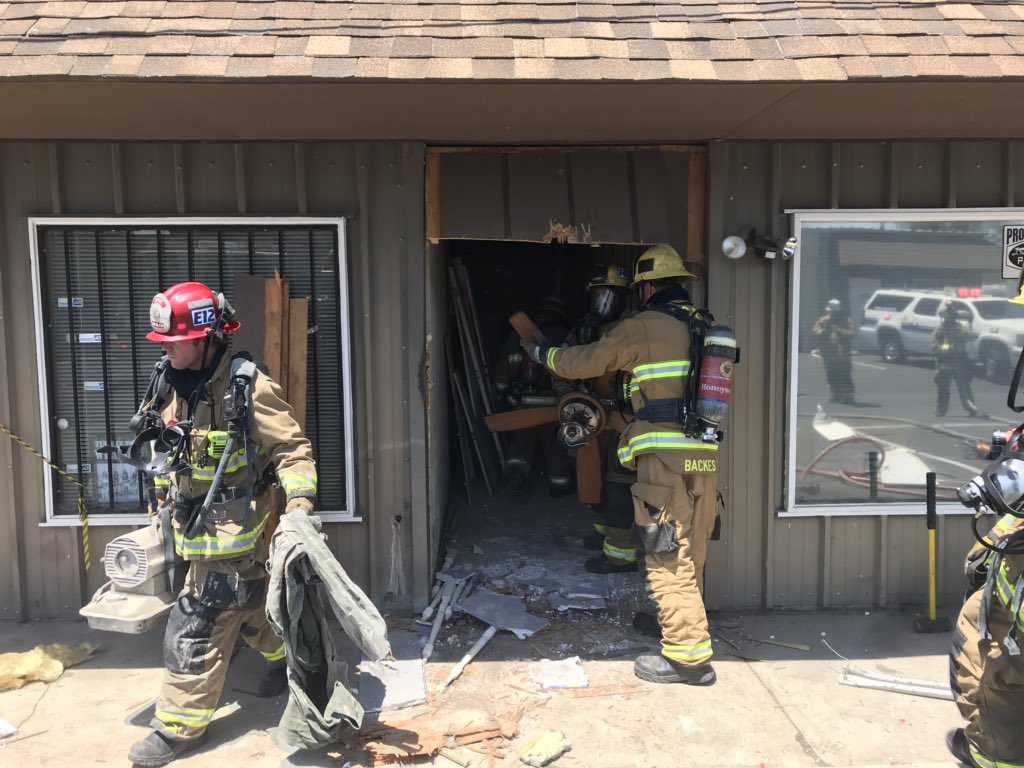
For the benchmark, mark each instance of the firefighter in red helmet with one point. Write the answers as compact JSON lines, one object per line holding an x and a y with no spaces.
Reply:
{"x":242,"y":440}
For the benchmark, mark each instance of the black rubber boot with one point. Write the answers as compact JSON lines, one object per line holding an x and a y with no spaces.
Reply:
{"x":275,"y":682}
{"x":658,"y":669}
{"x":956,"y":743}
{"x":604,"y":565}
{"x":647,"y":624}
{"x":160,"y":749}
{"x":594,"y":542}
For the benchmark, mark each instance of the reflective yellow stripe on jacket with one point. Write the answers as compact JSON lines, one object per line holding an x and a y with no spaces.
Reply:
{"x":662,"y":440}
{"x":1004,"y":587}
{"x":236,"y":461}
{"x":295,"y":485}
{"x":669,"y":369}
{"x":207,"y":546}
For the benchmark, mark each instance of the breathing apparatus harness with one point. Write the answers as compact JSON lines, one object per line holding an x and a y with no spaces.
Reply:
{"x":170,"y":443}
{"x":713,"y":352}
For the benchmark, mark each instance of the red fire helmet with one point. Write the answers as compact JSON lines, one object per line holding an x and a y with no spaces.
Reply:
{"x":187,"y":311}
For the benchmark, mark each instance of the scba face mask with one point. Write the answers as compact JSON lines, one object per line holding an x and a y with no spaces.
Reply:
{"x":604,"y":302}
{"x":999,"y":488}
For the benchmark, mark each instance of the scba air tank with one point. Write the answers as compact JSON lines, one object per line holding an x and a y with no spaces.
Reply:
{"x":714,"y":387}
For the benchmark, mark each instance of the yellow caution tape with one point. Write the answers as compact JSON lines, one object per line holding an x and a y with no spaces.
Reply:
{"x":83,"y":513}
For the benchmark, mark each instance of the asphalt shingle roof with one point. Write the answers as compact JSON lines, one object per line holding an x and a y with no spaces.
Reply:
{"x":692,"y":40}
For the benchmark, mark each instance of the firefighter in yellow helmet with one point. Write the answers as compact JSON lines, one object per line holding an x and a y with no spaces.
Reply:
{"x":607,"y":289}
{"x":674,"y":500}
{"x":239,"y":441}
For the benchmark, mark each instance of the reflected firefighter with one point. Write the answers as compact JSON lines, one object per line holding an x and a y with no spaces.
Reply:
{"x":833,"y":334}
{"x":952,"y":363}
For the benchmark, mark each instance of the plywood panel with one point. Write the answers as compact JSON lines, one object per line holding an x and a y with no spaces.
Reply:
{"x":270,"y":182}
{"x":853,"y":581}
{"x":473,"y":202}
{"x":1014,"y":154}
{"x":602,"y":188}
{"x":86,"y":178}
{"x":921,"y":172}
{"x":797,"y":580}
{"x":805,"y":173}
{"x":541,"y":191}
{"x":209,"y":178}
{"x":863,"y":170}
{"x":330,"y":180}
{"x":979,"y":173}
{"x":149,"y":178}
{"x":12,"y":593}
{"x":660,"y":195}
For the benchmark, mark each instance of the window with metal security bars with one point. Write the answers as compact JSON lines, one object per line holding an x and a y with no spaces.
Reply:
{"x":95,"y":284}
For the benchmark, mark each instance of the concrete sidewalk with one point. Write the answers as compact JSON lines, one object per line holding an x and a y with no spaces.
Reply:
{"x":772,"y":706}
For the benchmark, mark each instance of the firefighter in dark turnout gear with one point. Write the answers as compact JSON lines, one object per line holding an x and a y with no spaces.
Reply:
{"x":241,"y":439}
{"x":952,"y":364}
{"x":833,"y":333}
{"x":522,"y":383}
{"x":674,"y":500}
{"x":614,"y":514}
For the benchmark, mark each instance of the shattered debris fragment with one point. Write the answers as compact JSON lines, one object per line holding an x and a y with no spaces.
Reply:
{"x":544,"y":747}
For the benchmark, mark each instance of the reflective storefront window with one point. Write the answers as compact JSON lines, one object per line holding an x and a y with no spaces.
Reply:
{"x":904,"y":341}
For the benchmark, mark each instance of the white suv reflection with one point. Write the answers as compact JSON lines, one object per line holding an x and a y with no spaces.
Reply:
{"x":898,"y":325}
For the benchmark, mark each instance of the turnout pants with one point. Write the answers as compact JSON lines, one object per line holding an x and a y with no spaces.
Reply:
{"x":614,"y":515}
{"x":220,"y":600}
{"x":988,"y":685}
{"x":839,"y":374}
{"x":675,"y":515}
{"x":962,"y":378}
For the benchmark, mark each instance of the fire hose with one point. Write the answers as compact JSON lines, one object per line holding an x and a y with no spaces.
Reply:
{"x":863,"y":479}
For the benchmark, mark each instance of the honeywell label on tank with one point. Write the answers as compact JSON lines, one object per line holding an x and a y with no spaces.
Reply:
{"x":90,"y":338}
{"x":1013,"y":249}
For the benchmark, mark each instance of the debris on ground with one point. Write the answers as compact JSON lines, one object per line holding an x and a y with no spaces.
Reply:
{"x":7,"y":729}
{"x":44,"y":663}
{"x":394,"y":683}
{"x":450,"y":588}
{"x":426,"y":735}
{"x":564,"y":673}
{"x":543,"y":748}
{"x":860,"y":678}
{"x":784,"y":644}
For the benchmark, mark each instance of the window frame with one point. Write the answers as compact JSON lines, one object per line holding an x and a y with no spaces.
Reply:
{"x":347,"y":515}
{"x":798,"y":218}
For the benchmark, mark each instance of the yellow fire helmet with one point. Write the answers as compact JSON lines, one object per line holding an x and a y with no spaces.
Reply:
{"x":659,"y":262}
{"x":612,"y":277}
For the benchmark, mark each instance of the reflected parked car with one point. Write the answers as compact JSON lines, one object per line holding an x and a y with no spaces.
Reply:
{"x":898,"y":325}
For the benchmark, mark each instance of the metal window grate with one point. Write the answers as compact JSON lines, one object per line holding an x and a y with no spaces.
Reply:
{"x":97,"y":284}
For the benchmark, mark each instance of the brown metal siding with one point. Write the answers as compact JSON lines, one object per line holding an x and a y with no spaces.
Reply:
{"x":764,"y":560}
{"x":379,"y":187}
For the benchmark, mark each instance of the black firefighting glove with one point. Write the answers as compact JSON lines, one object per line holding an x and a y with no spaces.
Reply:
{"x":536,"y":352}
